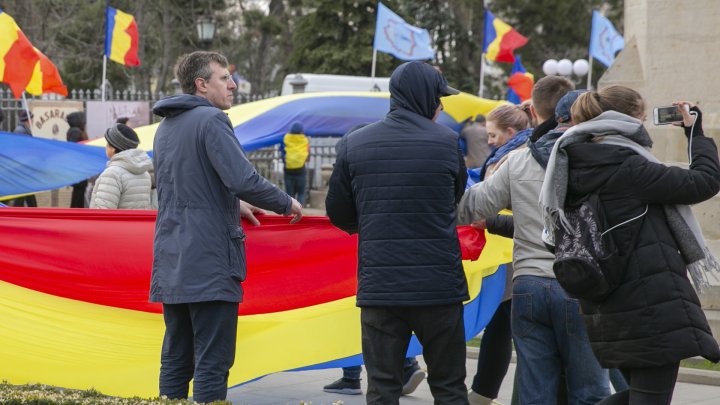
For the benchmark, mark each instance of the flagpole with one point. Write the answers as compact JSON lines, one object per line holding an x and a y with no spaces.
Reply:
{"x":589,"y":83}
{"x":482,"y":75}
{"x":372,"y":71}
{"x":482,"y":55}
{"x":103,"y":77}
{"x":27,"y":110}
{"x":104,"y":73}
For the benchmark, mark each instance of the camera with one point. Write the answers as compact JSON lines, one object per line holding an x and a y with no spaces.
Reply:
{"x":667,"y":115}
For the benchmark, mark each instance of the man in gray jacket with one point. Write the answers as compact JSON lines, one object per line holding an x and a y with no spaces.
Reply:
{"x":199,"y":248}
{"x":547,"y":328}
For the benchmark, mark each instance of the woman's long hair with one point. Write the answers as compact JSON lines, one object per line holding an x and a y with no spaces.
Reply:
{"x":512,"y":116}
{"x":616,"y":98}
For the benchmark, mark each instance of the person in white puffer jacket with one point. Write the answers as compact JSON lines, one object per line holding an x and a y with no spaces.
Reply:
{"x":126,"y":182}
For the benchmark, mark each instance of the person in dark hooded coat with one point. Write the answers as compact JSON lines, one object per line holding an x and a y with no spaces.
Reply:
{"x":396,"y":183}
{"x":76,"y":133}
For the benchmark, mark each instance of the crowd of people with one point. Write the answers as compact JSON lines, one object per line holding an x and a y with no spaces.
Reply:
{"x":403,"y":184}
{"x":400,"y":184}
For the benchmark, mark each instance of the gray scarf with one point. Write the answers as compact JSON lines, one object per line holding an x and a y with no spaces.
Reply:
{"x":614,"y":128}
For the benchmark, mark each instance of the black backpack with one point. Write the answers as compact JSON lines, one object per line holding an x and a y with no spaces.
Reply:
{"x":587,"y":262}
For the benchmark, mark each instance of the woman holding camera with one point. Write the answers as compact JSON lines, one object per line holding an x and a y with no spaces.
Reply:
{"x":653,"y":318}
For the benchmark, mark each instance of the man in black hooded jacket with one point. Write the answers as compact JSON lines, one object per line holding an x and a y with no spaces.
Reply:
{"x":397,"y":183}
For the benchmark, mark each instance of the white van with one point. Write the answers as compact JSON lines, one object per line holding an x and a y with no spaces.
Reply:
{"x":319,"y":82}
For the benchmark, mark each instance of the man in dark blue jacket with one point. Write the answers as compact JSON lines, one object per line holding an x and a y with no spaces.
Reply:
{"x":199,"y":249}
{"x":397,"y":182}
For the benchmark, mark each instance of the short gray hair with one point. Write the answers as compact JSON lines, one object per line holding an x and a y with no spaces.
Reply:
{"x":197,"y":64}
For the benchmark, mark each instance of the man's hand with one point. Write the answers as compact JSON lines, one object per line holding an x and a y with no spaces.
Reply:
{"x":480,"y":225}
{"x":296,"y":211}
{"x":248,"y":212}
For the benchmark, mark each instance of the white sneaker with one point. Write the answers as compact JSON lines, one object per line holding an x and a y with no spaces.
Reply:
{"x":476,"y":399}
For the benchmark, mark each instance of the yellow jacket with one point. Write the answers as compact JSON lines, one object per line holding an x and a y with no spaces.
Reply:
{"x":297,"y":150}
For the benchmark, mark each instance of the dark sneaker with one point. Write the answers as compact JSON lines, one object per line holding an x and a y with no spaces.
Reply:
{"x":413,"y":378}
{"x":344,"y":386}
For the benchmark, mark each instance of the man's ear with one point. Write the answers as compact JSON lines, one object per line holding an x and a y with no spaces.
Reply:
{"x":200,"y":85}
{"x":533,"y":113}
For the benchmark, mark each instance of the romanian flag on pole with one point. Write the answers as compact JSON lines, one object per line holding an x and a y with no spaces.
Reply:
{"x":45,"y":78}
{"x":520,"y":82}
{"x":121,"y":37}
{"x":500,"y":40}
{"x":17,"y":56}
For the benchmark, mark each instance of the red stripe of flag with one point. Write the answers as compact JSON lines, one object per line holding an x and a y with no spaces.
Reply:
{"x":522,"y":84}
{"x":51,"y":81}
{"x":131,"y":57}
{"x":509,"y":42}
{"x":20,"y":61}
{"x":288,"y":266}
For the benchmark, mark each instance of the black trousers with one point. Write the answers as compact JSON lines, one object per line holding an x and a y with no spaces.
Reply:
{"x":648,"y":386}
{"x":199,"y":344}
{"x":495,"y":353}
{"x":77,"y":199}
{"x":386,"y":333}
{"x":27,"y":201}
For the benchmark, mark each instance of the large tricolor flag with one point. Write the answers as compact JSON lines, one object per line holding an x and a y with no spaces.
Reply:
{"x":500,"y":40}
{"x":121,"y":37}
{"x":520,"y":83}
{"x":17,"y":56}
{"x":400,"y":39}
{"x":75,"y":313}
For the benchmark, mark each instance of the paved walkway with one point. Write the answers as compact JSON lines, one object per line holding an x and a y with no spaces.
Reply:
{"x":293,"y":387}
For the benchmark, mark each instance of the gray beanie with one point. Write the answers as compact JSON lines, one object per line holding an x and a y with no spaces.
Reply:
{"x":121,"y":137}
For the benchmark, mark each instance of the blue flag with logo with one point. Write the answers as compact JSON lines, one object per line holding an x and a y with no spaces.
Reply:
{"x":400,"y":39}
{"x":605,"y":41}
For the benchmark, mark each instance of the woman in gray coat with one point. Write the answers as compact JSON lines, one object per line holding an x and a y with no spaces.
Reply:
{"x":126,"y":182}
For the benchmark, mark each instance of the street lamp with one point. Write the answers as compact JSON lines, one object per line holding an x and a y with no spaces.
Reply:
{"x":565,"y":67}
{"x":205,"y":29}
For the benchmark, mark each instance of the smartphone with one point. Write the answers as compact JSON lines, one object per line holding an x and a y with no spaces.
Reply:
{"x":666,"y":115}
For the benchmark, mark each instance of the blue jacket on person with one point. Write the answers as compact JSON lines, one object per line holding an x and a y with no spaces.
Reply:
{"x":397,"y":183}
{"x":201,"y":172}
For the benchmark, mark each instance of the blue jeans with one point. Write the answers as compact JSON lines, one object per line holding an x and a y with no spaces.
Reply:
{"x":295,"y":184}
{"x":550,"y":336}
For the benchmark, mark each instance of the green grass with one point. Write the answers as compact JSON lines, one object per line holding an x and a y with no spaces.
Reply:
{"x":474,"y":342}
{"x":701,"y":364}
{"x":37,"y":394}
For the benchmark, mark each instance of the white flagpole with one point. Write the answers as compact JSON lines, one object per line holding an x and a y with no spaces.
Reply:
{"x":372,"y":71}
{"x":589,"y":83}
{"x":482,"y":75}
{"x":103,"y":77}
{"x":27,"y":110}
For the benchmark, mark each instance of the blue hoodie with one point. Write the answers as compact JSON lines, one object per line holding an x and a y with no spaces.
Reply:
{"x":201,"y":172}
{"x":396,"y":183}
